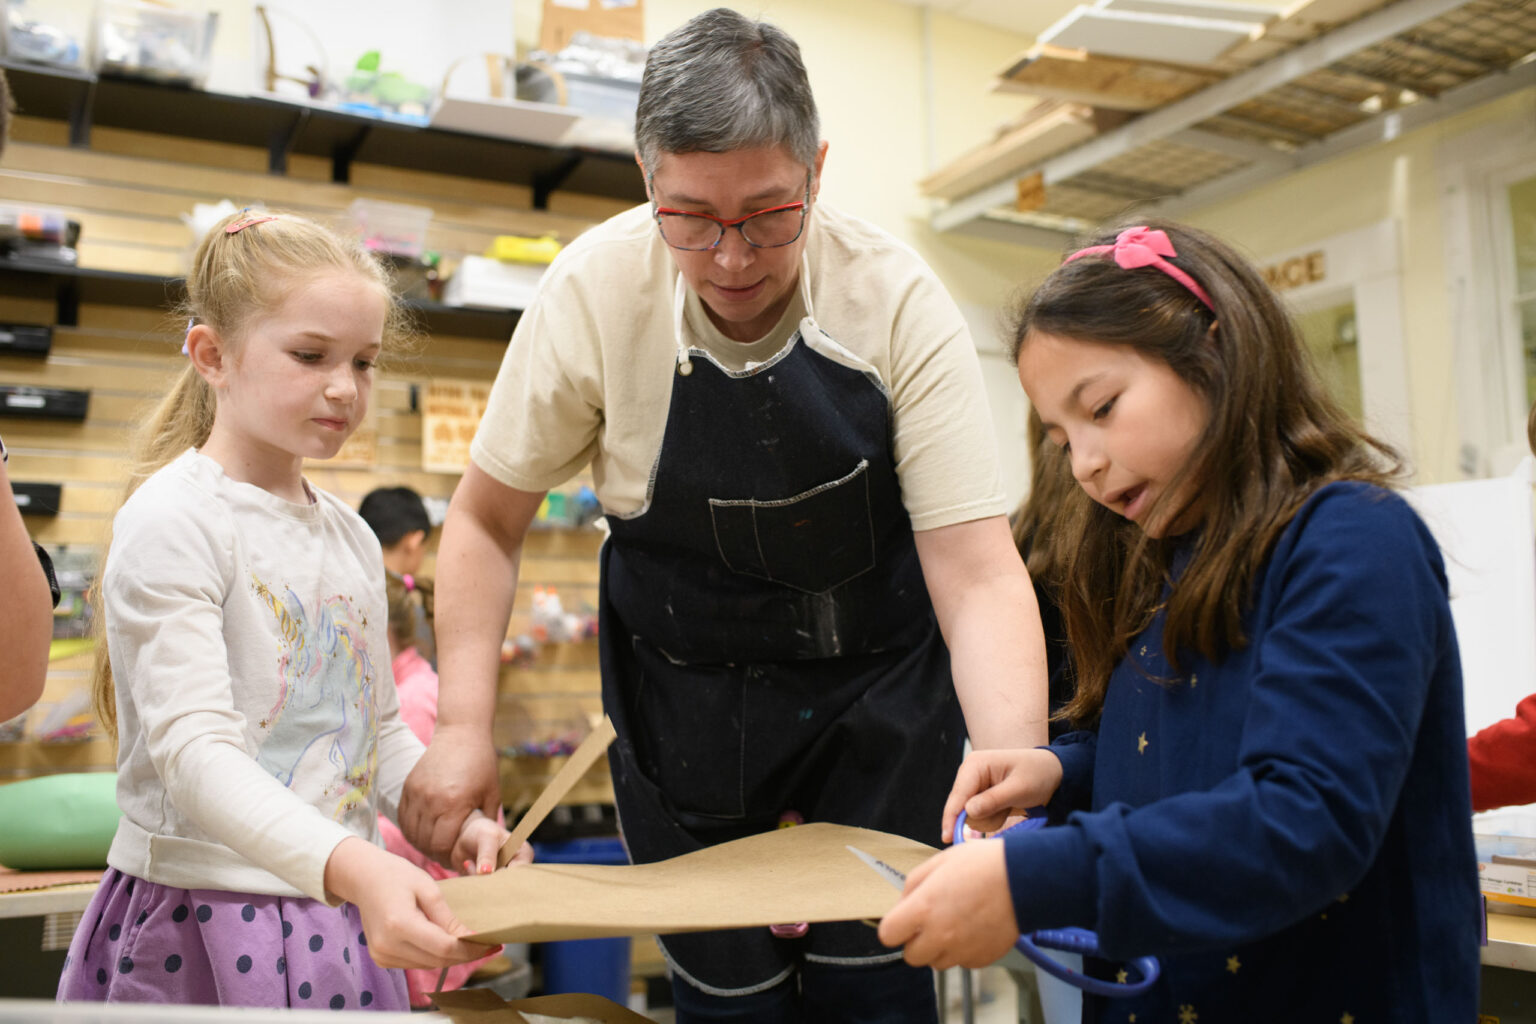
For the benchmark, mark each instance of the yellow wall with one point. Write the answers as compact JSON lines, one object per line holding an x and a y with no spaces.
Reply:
{"x":1399,"y":180}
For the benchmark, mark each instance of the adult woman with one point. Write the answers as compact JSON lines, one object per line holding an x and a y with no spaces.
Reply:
{"x":784,"y":415}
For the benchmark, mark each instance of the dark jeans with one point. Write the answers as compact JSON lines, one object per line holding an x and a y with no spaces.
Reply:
{"x":818,"y":993}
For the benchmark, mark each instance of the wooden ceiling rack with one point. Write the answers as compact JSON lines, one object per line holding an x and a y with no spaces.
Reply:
{"x":1114,"y":134}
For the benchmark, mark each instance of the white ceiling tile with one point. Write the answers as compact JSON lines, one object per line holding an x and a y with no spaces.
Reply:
{"x":1026,"y":17}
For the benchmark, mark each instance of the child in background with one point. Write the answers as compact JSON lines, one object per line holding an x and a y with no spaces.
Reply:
{"x":1269,"y":789}
{"x":1502,"y":757}
{"x":243,"y":671}
{"x":398,"y":517}
{"x":410,"y":601}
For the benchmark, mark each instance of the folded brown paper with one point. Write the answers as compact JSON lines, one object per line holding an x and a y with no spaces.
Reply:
{"x":582,"y":758}
{"x":479,"y":1006}
{"x":803,"y":873}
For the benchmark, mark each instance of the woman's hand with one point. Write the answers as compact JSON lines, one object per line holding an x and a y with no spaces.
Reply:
{"x":955,"y":909}
{"x":992,"y":785}
{"x":407,"y":922}
{"x":455,"y":776}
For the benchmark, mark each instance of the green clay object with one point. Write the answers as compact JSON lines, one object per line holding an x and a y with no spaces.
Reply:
{"x":58,"y":822}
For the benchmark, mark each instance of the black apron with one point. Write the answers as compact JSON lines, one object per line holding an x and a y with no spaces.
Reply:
{"x":767,"y":640}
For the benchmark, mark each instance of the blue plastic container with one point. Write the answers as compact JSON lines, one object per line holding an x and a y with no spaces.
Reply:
{"x":597,"y":966}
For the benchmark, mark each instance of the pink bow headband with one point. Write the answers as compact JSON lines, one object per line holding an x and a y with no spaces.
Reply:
{"x":1143,"y":247}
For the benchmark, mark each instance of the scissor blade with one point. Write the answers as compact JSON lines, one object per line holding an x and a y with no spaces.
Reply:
{"x":884,"y":870}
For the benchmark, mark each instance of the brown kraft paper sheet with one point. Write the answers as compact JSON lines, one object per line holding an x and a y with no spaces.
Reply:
{"x":805,"y":873}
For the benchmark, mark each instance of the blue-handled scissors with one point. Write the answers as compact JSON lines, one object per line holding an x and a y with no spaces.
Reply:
{"x":1068,"y":940}
{"x":1072,"y":940}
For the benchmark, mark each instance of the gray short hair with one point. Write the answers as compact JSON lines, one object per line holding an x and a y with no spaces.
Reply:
{"x":722,"y":82}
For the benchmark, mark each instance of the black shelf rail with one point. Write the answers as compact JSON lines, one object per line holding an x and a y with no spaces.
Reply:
{"x":70,"y":286}
{"x":282,"y":128}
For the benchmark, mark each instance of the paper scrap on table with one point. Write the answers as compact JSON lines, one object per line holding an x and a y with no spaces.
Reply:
{"x":482,"y":1006}
{"x":804,"y":873}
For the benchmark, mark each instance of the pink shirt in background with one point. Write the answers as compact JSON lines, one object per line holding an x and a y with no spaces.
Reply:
{"x":416,"y":682}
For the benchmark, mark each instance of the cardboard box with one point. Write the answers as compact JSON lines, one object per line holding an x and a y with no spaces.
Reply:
{"x":618,"y":19}
{"x":1506,"y":868}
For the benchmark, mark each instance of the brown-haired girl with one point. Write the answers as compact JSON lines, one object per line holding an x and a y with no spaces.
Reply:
{"x":244,"y":616}
{"x":1269,"y":788}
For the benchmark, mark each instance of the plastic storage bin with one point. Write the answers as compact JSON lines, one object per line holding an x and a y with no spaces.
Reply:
{"x":45,"y":32}
{"x":596,"y":966}
{"x":396,"y":228}
{"x":613,"y":98}
{"x":144,"y":41}
{"x":492,"y":284}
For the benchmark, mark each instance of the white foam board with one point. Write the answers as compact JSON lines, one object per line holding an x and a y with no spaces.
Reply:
{"x":1159,"y":37}
{"x":543,"y":123}
{"x":1220,"y":10}
{"x":1485,"y":535}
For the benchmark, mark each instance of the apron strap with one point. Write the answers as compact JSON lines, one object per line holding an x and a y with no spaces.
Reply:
{"x":679,"y":299}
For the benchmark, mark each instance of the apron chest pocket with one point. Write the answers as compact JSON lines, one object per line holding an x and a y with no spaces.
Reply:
{"x":813,"y":541}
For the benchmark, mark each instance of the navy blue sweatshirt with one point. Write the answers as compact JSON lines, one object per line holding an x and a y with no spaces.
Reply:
{"x":1289,"y":828}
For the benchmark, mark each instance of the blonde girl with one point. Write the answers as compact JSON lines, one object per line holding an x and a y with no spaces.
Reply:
{"x":246,"y":672}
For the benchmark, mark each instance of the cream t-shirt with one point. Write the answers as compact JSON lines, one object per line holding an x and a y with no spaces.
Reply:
{"x":588,"y":374}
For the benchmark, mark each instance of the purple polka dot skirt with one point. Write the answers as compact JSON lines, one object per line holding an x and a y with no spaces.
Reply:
{"x":139,"y":942}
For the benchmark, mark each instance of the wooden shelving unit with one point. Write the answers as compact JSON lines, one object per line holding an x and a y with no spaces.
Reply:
{"x":72,"y":286}
{"x":128,"y":160}
{"x":343,"y":137}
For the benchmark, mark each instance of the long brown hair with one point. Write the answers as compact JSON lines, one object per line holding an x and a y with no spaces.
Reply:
{"x":235,"y":279}
{"x":1051,"y":487}
{"x":1274,"y":437}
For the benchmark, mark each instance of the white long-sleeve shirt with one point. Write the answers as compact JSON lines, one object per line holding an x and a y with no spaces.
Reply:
{"x":257,"y":716}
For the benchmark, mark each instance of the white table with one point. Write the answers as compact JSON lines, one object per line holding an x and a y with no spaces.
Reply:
{"x":60,"y":899}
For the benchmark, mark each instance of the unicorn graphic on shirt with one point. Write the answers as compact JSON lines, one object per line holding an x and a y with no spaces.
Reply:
{"x":324,"y":723}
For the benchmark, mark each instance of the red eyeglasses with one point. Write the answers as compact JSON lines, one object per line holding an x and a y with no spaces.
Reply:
{"x":764,"y":229}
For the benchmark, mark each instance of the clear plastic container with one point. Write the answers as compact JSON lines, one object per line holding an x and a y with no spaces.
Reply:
{"x":396,"y":228}
{"x":610,"y":98}
{"x":54,"y":32}
{"x":145,"y":41}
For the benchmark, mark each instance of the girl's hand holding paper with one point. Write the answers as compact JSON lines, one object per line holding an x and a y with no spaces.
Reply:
{"x":480,"y":838}
{"x":950,"y":912}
